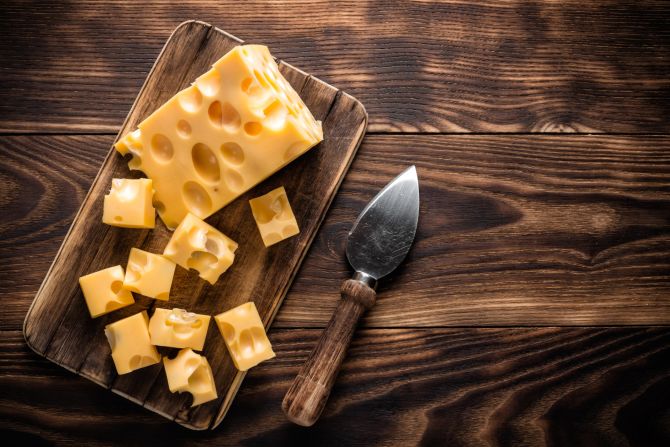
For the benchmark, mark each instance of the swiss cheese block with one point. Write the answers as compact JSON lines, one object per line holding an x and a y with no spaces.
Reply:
{"x":245,"y":337}
{"x":237,"y":124}
{"x":190,"y":372}
{"x":130,"y":343}
{"x":198,"y":245}
{"x":103,"y":291}
{"x":128,"y":204}
{"x":274,"y":217}
{"x":178,"y":328}
{"x":149,"y":274}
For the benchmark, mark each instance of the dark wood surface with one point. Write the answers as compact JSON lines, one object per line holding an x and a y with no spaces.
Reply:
{"x":523,"y":238}
{"x":58,"y":326}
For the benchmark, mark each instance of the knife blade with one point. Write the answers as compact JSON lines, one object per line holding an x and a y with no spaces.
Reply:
{"x":384,"y":231}
{"x":378,"y":242}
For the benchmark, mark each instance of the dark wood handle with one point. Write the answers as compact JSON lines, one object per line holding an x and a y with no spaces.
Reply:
{"x":307,"y":396}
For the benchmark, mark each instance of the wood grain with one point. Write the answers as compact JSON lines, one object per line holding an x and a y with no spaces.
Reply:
{"x":496,"y":387}
{"x":57,"y":325}
{"x":525,"y":230}
{"x":456,"y":66}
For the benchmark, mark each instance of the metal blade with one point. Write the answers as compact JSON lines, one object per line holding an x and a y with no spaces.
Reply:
{"x":384,"y":231}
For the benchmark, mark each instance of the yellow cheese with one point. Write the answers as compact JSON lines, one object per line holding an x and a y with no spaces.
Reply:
{"x":245,"y":337}
{"x":103,"y":291}
{"x":130,"y":343}
{"x":178,"y":328}
{"x":191,"y":373}
{"x":198,"y":245}
{"x":236,"y":125}
{"x":274,"y":216}
{"x":128,"y":204}
{"x":149,"y":274}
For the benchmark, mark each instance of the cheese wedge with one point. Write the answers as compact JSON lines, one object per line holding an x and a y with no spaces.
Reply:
{"x":236,"y":125}
{"x":197,"y":245}
{"x":178,"y":328}
{"x":130,"y":343}
{"x":128,"y":204}
{"x":245,"y":336}
{"x":274,"y":216}
{"x":189,"y":372}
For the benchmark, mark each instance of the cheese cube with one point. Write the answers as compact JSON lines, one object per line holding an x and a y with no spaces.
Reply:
{"x":178,"y":328}
{"x":103,"y":291}
{"x":198,"y":245}
{"x":236,"y":125}
{"x":130,"y":343}
{"x":191,"y":373}
{"x":274,"y":217}
{"x":149,"y":274}
{"x":245,"y":337}
{"x":128,"y":204}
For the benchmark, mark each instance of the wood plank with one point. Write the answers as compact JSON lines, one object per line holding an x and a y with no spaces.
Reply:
{"x":535,"y":386}
{"x":452,"y":65}
{"x":515,"y":229}
{"x":58,"y":325}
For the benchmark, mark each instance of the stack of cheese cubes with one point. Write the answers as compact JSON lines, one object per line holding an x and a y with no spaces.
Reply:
{"x":235,"y":126}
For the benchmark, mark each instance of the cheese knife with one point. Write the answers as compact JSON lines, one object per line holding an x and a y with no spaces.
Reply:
{"x":377,"y":243}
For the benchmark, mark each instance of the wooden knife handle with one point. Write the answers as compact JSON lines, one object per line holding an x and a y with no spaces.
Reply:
{"x":307,"y":396}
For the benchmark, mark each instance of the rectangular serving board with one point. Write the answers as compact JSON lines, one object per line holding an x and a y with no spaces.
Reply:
{"x":58,"y":325}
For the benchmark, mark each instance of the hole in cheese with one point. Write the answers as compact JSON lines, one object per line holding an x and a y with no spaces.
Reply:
{"x":190,"y":99}
{"x":184,"y":129}
{"x":116,"y":287}
{"x":161,"y":148}
{"x":196,"y":199}
{"x":160,"y":206}
{"x":198,"y":382}
{"x":228,"y":332}
{"x":261,"y":79}
{"x":201,"y":261}
{"x":133,"y":274}
{"x":212,"y":246}
{"x":253,"y":128}
{"x":275,"y":115}
{"x":232,"y":153}
{"x":118,"y":218}
{"x":205,"y":163}
{"x":246,"y":84}
{"x":247,"y":347}
{"x":234,"y":180}
{"x":224,"y":116}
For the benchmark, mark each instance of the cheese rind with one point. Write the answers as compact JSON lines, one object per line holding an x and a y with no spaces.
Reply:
{"x":274,"y":216}
{"x":103,"y":291}
{"x":198,"y":245}
{"x":129,"y":204}
{"x":130,"y":343}
{"x":178,"y":328}
{"x":236,"y":125}
{"x":245,"y":336}
{"x":149,"y":274}
{"x":190,"y":372}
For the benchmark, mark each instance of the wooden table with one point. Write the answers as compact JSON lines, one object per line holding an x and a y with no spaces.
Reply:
{"x":534,"y":307}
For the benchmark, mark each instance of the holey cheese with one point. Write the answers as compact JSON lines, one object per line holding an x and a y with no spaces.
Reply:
{"x":197,"y":245}
{"x":190,"y":372}
{"x":178,"y":328}
{"x":235,"y":126}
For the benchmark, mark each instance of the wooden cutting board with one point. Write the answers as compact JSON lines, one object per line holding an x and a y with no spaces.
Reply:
{"x":58,"y":325}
